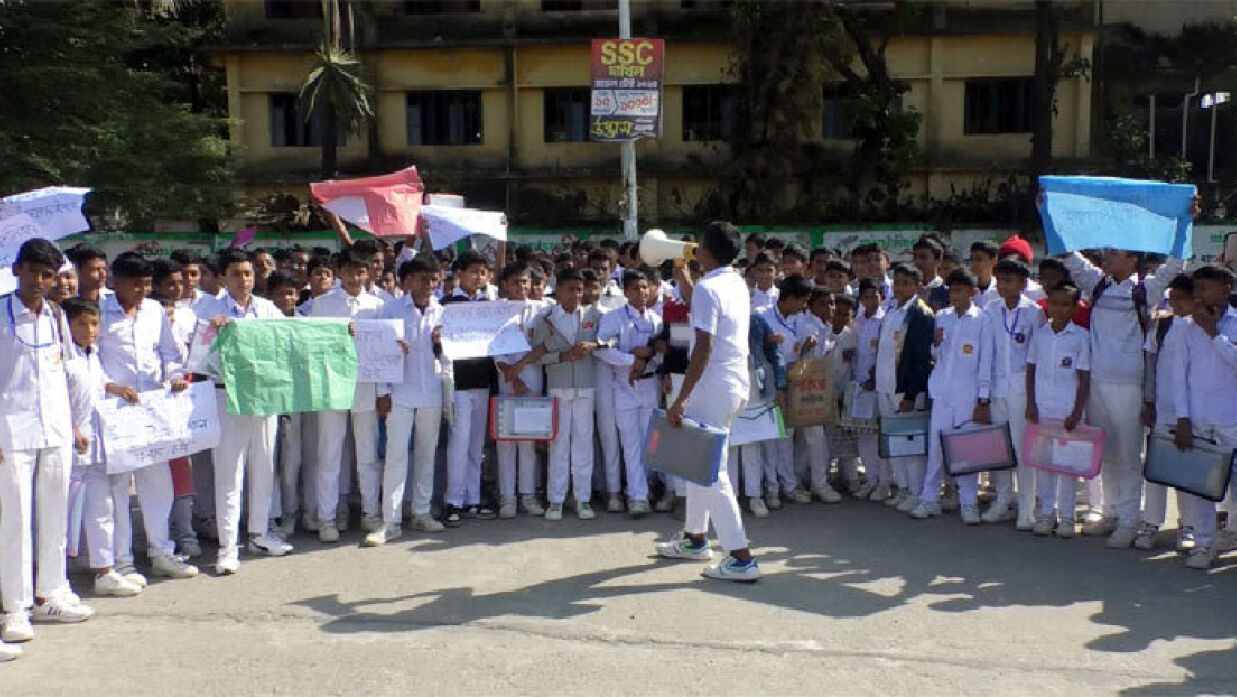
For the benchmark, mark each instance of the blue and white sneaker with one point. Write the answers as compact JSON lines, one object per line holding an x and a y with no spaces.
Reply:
{"x":684,"y":548}
{"x":734,"y":570}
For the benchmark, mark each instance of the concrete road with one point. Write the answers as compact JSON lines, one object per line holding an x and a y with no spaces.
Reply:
{"x":857,"y":599}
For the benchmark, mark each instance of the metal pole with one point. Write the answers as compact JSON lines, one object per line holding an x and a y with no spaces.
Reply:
{"x":628,"y":152}
{"x":1151,"y":129}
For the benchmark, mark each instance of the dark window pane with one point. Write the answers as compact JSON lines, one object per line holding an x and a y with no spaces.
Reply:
{"x":565,"y":114}
{"x":293,"y":9}
{"x":443,"y":118}
{"x":708,"y":112}
{"x":999,"y":106}
{"x":288,"y":126}
{"x":577,"y":5}
{"x":441,"y":7}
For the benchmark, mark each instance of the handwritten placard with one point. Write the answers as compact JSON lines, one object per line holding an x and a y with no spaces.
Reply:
{"x":477,"y":329}
{"x":14,"y":231}
{"x":160,"y":427}
{"x":1107,"y":212}
{"x":380,"y":358}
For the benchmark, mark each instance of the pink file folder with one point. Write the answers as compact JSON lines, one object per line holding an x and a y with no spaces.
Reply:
{"x":1049,"y":447}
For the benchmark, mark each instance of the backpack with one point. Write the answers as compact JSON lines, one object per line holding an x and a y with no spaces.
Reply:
{"x":1138,"y":295}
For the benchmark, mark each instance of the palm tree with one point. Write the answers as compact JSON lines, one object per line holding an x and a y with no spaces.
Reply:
{"x":334,"y":90}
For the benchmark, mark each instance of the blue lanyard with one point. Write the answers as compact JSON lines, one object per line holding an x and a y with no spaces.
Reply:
{"x":1005,"y":321}
{"x":635,"y":322}
{"x":13,"y":329}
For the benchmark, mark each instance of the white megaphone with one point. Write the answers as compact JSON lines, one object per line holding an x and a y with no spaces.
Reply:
{"x":656,"y":248}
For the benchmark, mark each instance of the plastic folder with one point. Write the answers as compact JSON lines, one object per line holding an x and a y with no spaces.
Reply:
{"x":975,"y":449}
{"x":904,"y":435}
{"x":693,"y":451}
{"x":523,"y":418}
{"x":1077,"y":453}
{"x":1203,"y":470}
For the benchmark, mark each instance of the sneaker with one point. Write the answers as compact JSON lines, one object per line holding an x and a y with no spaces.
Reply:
{"x":897,"y":499}
{"x":60,"y":610}
{"x":773,"y":501}
{"x":998,"y":512}
{"x":908,"y":504}
{"x":1091,"y":516}
{"x":426,"y":523}
{"x":1043,"y":526}
{"x":865,"y":491}
{"x":1200,"y":558}
{"x":208,"y":529}
{"x":17,"y":628}
{"x":169,"y":566}
{"x":615,"y":504}
{"x":372,"y":523}
{"x":112,"y":584}
{"x":506,"y":508}
{"x":683,"y":548}
{"x":189,"y":548}
{"x":1185,"y":539}
{"x":1122,"y":537}
{"x":269,"y":545}
{"x":970,"y":514}
{"x":9,"y":652}
{"x":757,"y":506}
{"x":310,"y":522}
{"x":638,"y":509}
{"x":1106,"y":525}
{"x":734,"y":570}
{"x":1065,"y":529}
{"x":481,"y":512}
{"x":880,"y":493}
{"x":228,"y":562}
{"x":926,"y":509}
{"x":585,"y":512}
{"x":799,"y":495}
{"x":378,"y":538}
{"x":555,"y":513}
{"x":130,"y":574}
{"x":342,"y":515}
{"x":531,"y":505}
{"x":328,"y":531}
{"x":286,"y":528}
{"x":452,"y":517}
{"x":1144,"y":537}
{"x":827,"y":494}
{"x":1026,"y":521}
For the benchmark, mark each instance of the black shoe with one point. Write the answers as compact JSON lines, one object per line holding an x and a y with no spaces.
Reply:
{"x":482,"y":513}
{"x":451,"y":517}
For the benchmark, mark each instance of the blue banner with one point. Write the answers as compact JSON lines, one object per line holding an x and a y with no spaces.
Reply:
{"x":1104,"y":212}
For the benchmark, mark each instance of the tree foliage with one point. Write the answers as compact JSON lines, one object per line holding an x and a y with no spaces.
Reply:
{"x":334,"y":90}
{"x":89,"y":101}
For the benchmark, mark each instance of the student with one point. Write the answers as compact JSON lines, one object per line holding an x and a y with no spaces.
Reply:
{"x":867,"y":327}
{"x":789,"y":326}
{"x":91,"y":265}
{"x":283,"y":290}
{"x":321,"y":281}
{"x":1119,"y":307}
{"x":1058,"y":370}
{"x":818,"y":262}
{"x":168,"y":280}
{"x":1017,"y":248}
{"x":793,"y":261}
{"x":1206,"y":373}
{"x":605,"y":424}
{"x":961,"y":390}
{"x":764,"y":273}
{"x":927,"y":253}
{"x":1051,"y":273}
{"x":903,"y":364}
{"x":350,"y":301}
{"x":36,"y":435}
{"x":212,"y":280}
{"x":247,"y":446}
{"x":845,"y":350}
{"x":473,"y":378}
{"x":181,"y":527}
{"x":414,"y":407}
{"x":633,"y":362}
{"x":602,"y":264}
{"x":767,"y":385}
{"x":537,"y":286}
{"x":983,"y":264}
{"x":65,"y":286}
{"x":819,"y":342}
{"x":838,"y":277}
{"x":518,"y":374}
{"x":950,"y":262}
{"x":568,"y":336}
{"x":752,"y":246}
{"x":191,"y":274}
{"x":139,"y":353}
{"x":1013,"y":320}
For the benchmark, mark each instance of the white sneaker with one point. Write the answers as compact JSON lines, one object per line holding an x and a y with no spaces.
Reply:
{"x":1185,"y":539}
{"x":896,"y":500}
{"x":189,"y":548}
{"x":114,"y":585}
{"x":269,"y":545}
{"x":865,"y":491}
{"x":638,"y":509}
{"x":60,"y":610}
{"x":799,"y":495}
{"x":228,"y":562}
{"x":555,"y":512}
{"x":773,"y":500}
{"x":926,"y":509}
{"x":1104,"y":526}
{"x":734,"y":570}
{"x":665,"y":504}
{"x":1043,"y":526}
{"x":169,"y":566}
{"x":130,"y":574}
{"x":880,"y":493}
{"x":1122,"y":537}
{"x":908,"y":504}
{"x":1026,"y":521}
{"x":328,"y":531}
{"x":1144,"y":536}
{"x":1201,"y":557}
{"x":310,"y":522}
{"x":998,"y":512}
{"x":378,"y":538}
{"x":9,"y":652}
{"x":827,"y":494}
{"x":17,"y":628}
{"x":531,"y":505}
{"x":372,"y":523}
{"x":970,"y":514}
{"x":506,"y":508}
{"x":287,"y":527}
{"x":757,"y":506}
{"x":682,"y":548}
{"x":585,"y":512}
{"x":426,"y":523}
{"x":615,"y":504}
{"x":342,"y":514}
{"x":1065,"y":529}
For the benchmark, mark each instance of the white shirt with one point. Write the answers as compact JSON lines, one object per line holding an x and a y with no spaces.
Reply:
{"x":1207,"y":367}
{"x":867,"y":338}
{"x":139,"y":351}
{"x":721,"y":308}
{"x":184,"y":321}
{"x":224,"y":306}
{"x":962,"y":372}
{"x":422,"y":385}
{"x":633,"y":329}
{"x":612,"y":297}
{"x":338,"y":303}
{"x":1012,"y":331}
{"x":892,"y":334}
{"x":764,"y":299}
{"x":986,"y":295}
{"x":1167,"y":357}
{"x":1057,"y":357}
{"x":86,"y":388}
{"x":34,"y":413}
{"x":793,"y":329}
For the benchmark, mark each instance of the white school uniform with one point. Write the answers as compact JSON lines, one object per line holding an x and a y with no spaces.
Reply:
{"x":571,"y":451}
{"x":1058,"y":357}
{"x":333,"y":424}
{"x":961,"y":375}
{"x":908,"y":472}
{"x":1012,"y":330}
{"x":470,"y":414}
{"x":633,"y":405}
{"x":508,"y":451}
{"x":867,"y":338}
{"x":762,"y":300}
{"x":1161,"y":391}
{"x":779,"y":455}
{"x":103,"y":492}
{"x":986,"y":294}
{"x":36,"y":434}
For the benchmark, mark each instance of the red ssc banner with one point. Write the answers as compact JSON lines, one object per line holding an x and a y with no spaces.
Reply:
{"x":627,"y":77}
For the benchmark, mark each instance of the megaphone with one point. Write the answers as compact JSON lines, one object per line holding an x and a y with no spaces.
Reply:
{"x":656,"y":248}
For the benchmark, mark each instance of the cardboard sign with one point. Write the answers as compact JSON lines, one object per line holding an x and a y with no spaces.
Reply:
{"x":810,"y":399}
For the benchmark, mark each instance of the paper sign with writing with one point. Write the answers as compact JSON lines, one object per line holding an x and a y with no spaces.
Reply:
{"x":14,"y":230}
{"x":477,"y":329}
{"x":447,"y":225}
{"x":626,"y":89}
{"x":380,"y":358}
{"x":1106,"y":212}
{"x":160,"y":427}
{"x":282,"y":366}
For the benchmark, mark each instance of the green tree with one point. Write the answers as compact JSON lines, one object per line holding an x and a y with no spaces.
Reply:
{"x":334,"y":90}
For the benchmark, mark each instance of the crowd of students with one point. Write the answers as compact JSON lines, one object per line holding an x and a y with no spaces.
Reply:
{"x":1121,"y":340}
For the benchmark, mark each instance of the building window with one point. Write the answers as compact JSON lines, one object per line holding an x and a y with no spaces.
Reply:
{"x":293,"y":9}
{"x":706,"y":4}
{"x":999,"y":106}
{"x":708,"y":112}
{"x":838,"y":111}
{"x":577,"y":5}
{"x":566,"y":115}
{"x":443,"y":118}
{"x":289,"y":129}
{"x":441,"y":7}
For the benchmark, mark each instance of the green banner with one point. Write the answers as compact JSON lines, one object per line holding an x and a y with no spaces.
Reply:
{"x":280,"y":366}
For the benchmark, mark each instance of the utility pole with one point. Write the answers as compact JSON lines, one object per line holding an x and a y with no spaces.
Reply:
{"x":628,"y":153}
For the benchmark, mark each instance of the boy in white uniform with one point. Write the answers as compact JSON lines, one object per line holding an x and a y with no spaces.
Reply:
{"x":787,"y":321}
{"x":764,"y":274}
{"x":518,"y":374}
{"x":867,"y":326}
{"x":36,"y":435}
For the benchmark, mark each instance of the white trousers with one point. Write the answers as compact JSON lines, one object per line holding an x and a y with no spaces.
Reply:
{"x":247,"y":448}
{"x":907,"y":471}
{"x":1116,"y":407}
{"x":711,"y":405}
{"x":571,"y":451}
{"x":633,"y":425}
{"x":1012,"y":409}
{"x":817,"y":449}
{"x":946,"y":417}
{"x":874,"y":466}
{"x":752,"y":455}
{"x":332,"y":431}
{"x":99,"y":512}
{"x":1057,"y":494}
{"x":291,"y":463}
{"x":421,"y":425}
{"x":466,"y":447}
{"x":526,"y":451}
{"x":1201,"y":513}
{"x":156,"y":496}
{"x":34,"y":484}
{"x":1155,"y":503}
{"x":779,"y":463}
{"x":607,"y":428}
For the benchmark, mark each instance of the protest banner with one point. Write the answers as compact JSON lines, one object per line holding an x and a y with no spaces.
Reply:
{"x":447,"y":225}
{"x":282,"y":366}
{"x":14,"y":231}
{"x":385,"y":205}
{"x":758,"y":422}
{"x":199,"y":359}
{"x":475,"y":330}
{"x":380,"y":358}
{"x":626,"y":89}
{"x":162,"y":426}
{"x":1106,"y":212}
{"x":50,"y":213}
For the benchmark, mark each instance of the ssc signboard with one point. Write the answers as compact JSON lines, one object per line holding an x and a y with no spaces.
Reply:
{"x":626,"y":84}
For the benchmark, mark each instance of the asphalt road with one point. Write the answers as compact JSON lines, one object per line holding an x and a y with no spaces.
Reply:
{"x":857,"y":599}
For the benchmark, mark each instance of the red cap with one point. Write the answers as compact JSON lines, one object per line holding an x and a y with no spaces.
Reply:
{"x":1019,"y":246}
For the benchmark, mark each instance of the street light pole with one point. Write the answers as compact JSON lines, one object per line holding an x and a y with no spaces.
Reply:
{"x":628,"y":152}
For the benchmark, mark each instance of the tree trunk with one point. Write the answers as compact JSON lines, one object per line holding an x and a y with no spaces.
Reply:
{"x":330,"y":143}
{"x":1043,"y":97}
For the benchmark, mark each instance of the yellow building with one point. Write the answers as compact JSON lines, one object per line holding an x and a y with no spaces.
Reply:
{"x":489,"y":98}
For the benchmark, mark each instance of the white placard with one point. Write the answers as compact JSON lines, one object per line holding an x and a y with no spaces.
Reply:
{"x":533,"y":419}
{"x":162,"y":426}
{"x":863,"y":405}
{"x":380,"y":358}
{"x":447,"y":225}
{"x":757,"y":423}
{"x":478,"y":329}
{"x":907,"y":446}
